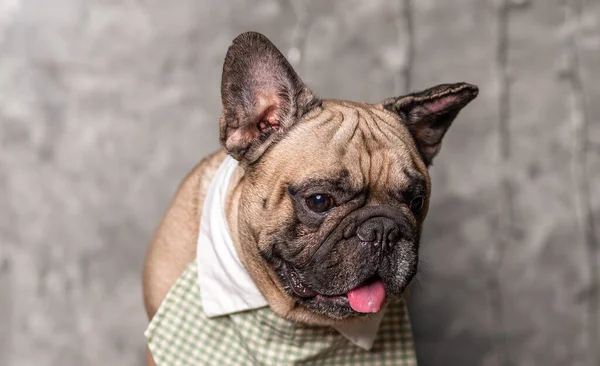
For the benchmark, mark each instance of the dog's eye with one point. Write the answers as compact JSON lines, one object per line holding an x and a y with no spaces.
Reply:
{"x":417,"y":204}
{"x":320,"y":202}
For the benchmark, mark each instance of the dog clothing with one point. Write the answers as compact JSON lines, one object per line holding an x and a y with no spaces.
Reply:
{"x":215,"y":314}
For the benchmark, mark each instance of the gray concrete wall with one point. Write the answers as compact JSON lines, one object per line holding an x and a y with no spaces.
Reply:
{"x":106,"y":104}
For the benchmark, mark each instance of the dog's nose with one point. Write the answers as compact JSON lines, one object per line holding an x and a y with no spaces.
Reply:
{"x":378,"y":230}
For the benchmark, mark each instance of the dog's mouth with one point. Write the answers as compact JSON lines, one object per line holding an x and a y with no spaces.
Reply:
{"x":368,"y":297}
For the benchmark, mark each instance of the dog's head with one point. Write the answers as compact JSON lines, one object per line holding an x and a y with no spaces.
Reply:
{"x":335,"y":192}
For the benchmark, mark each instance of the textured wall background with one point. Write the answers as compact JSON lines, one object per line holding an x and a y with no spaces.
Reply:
{"x":106,"y":104}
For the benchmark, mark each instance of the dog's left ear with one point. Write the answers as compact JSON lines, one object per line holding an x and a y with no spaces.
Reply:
{"x":262,"y":97}
{"x":429,"y":114}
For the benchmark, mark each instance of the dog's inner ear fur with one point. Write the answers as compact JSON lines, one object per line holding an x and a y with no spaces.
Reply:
{"x":262,"y":97}
{"x":429,"y":114}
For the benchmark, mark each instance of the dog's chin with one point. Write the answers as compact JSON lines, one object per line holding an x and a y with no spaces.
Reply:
{"x":336,"y":307}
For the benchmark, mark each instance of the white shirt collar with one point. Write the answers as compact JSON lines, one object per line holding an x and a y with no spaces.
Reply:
{"x":225,"y":285}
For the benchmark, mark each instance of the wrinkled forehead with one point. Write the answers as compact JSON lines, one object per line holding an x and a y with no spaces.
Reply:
{"x":363,"y":142}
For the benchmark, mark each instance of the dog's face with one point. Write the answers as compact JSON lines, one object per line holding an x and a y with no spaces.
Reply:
{"x":335,"y":193}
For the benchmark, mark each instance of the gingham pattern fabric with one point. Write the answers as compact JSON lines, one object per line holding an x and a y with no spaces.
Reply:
{"x":180,"y":334}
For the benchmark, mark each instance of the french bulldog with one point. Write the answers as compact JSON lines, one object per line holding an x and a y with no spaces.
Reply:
{"x":327,"y":204}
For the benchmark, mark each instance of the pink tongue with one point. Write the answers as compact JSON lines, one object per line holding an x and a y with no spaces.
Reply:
{"x":367,"y":298}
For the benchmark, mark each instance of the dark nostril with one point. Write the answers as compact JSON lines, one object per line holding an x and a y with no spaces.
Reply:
{"x":369,"y":231}
{"x":394,"y":235}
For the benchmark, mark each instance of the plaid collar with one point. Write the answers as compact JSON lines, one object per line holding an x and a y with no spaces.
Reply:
{"x":225,"y":284}
{"x":181,"y":334}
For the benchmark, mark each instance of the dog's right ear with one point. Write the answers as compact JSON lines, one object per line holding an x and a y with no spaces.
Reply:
{"x":262,"y":97}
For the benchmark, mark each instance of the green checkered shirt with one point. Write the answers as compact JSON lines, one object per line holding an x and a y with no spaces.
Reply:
{"x":180,"y":334}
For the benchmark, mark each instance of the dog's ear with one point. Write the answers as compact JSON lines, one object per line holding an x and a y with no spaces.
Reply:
{"x":429,"y":114}
{"x":262,"y":97}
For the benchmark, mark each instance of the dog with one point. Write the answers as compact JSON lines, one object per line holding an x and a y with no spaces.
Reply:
{"x":327,"y":202}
